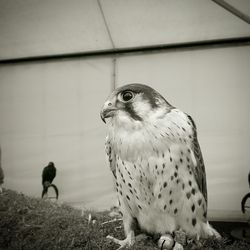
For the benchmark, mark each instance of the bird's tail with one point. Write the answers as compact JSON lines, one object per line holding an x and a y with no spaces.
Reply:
{"x":56,"y":190}
{"x":46,"y":187}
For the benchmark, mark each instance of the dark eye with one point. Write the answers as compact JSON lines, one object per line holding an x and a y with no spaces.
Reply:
{"x":127,"y":96}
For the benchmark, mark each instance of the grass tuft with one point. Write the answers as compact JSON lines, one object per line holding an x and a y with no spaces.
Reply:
{"x":31,"y":223}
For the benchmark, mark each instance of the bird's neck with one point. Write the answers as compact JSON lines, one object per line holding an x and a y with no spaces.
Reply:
{"x":139,"y":142}
{"x":146,"y":139}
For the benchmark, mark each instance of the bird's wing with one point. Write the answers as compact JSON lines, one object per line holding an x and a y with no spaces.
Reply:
{"x":199,"y":167}
{"x":110,"y":155}
{"x":44,"y":175}
{"x":48,"y":174}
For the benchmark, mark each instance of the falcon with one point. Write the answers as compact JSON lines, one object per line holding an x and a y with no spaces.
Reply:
{"x":155,"y":157}
{"x":48,"y":175}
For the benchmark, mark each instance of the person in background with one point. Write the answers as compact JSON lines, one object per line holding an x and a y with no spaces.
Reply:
{"x":1,"y":173}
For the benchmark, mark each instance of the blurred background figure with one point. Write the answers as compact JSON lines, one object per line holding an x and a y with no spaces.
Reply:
{"x":1,"y":172}
{"x":243,"y":232}
{"x":48,"y":175}
{"x":245,"y":198}
{"x":249,"y":179}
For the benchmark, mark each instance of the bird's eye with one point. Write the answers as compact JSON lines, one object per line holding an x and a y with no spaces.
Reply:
{"x":127,"y":96}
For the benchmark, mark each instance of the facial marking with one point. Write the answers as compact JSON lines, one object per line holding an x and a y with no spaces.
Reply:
{"x":141,"y":106}
{"x":132,"y":112}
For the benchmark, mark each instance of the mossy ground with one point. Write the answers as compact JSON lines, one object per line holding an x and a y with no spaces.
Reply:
{"x":31,"y":223}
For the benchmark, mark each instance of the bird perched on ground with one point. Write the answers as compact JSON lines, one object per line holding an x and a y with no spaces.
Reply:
{"x":48,"y":175}
{"x":156,"y":160}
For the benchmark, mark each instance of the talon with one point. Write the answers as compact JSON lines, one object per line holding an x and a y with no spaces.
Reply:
{"x":114,"y":239}
{"x":166,"y":242}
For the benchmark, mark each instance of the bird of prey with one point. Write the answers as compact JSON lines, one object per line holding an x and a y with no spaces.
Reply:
{"x":155,"y":157}
{"x":48,"y":175}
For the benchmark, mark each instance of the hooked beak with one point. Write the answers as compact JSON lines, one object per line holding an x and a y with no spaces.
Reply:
{"x":106,"y":112}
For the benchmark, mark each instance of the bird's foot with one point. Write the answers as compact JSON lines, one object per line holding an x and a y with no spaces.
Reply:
{"x":167,"y":242}
{"x":128,"y":242}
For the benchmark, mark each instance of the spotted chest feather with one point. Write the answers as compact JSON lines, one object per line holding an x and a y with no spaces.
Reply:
{"x":157,"y":184}
{"x":161,"y":192}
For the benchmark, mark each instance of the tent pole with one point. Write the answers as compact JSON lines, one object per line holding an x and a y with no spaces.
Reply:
{"x":115,"y":53}
{"x":113,"y":81}
{"x":233,"y":10}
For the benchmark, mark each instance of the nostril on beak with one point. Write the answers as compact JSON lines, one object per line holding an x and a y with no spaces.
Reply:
{"x":107,"y":110}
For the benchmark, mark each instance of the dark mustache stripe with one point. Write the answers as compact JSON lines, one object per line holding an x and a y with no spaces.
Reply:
{"x":130,"y":110}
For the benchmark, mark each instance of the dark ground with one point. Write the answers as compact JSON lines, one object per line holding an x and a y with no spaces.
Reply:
{"x":31,"y":223}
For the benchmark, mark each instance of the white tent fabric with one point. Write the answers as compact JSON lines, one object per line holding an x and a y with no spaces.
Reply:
{"x":35,"y":28}
{"x":50,"y":112}
{"x":142,"y":23}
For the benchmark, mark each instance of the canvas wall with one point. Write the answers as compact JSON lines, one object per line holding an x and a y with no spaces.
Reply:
{"x":50,"y":112}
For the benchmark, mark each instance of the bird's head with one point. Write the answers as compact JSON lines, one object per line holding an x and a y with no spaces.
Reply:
{"x":133,"y":105}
